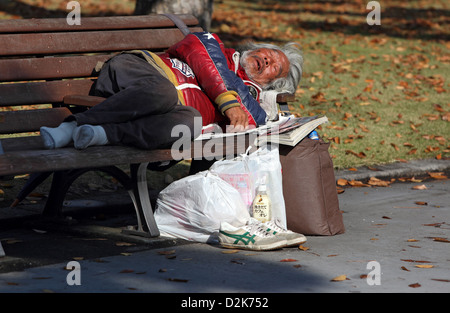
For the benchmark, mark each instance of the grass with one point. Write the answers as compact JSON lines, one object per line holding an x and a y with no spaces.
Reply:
{"x":383,"y":88}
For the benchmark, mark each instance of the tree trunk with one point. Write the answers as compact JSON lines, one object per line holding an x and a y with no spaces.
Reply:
{"x":201,"y":9}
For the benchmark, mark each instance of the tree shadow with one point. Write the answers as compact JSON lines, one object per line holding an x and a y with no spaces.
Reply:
{"x":27,"y":11}
{"x":340,"y":17}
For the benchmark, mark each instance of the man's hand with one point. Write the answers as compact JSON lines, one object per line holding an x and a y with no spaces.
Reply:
{"x":238,"y":119}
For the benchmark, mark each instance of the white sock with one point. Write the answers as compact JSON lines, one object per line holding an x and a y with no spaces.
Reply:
{"x":59,"y":136}
{"x":89,"y":135}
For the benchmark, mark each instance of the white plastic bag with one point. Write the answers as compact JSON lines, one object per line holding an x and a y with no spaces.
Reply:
{"x":247,"y":171}
{"x":193,"y":207}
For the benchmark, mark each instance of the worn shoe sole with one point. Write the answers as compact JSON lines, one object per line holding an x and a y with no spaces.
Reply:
{"x":271,"y":247}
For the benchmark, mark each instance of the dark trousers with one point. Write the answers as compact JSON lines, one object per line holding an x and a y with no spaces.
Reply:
{"x":141,"y":108}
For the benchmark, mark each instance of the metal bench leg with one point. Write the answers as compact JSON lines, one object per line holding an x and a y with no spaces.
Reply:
{"x":141,"y":200}
{"x":33,"y":181}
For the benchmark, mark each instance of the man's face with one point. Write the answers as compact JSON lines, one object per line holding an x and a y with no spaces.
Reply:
{"x":265,"y":65}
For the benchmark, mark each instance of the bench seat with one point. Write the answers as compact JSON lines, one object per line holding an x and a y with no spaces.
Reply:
{"x":47,"y":73}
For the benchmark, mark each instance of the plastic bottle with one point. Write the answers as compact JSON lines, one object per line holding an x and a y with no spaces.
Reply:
{"x":313,"y":135}
{"x":262,"y":206}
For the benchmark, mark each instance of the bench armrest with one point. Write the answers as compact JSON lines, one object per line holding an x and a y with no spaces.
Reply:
{"x":285,"y":97}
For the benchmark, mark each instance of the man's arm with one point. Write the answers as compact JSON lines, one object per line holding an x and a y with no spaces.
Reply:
{"x":238,"y":119}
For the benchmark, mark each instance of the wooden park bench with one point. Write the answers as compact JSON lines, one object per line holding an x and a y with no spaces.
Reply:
{"x":46,"y":74}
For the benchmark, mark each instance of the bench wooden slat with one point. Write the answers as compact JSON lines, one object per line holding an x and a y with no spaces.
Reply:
{"x":49,"y":67}
{"x":82,"y":100}
{"x":90,"y":41}
{"x":92,"y":23}
{"x":42,"y":92}
{"x":49,"y":61}
{"x":35,"y":161}
{"x":30,"y":120}
{"x":21,"y":144}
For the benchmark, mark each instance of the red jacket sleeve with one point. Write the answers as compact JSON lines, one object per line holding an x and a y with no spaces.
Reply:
{"x":203,"y":52}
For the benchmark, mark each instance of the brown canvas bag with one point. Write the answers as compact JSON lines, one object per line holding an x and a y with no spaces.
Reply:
{"x":309,"y":189}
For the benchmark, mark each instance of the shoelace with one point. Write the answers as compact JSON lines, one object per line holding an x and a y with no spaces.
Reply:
{"x":257,"y":228}
{"x":275,"y":225}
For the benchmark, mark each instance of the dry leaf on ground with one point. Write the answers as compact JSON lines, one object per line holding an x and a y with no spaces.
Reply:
{"x":340,"y":278}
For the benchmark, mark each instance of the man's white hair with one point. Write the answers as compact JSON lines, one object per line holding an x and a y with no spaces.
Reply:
{"x":295,"y":57}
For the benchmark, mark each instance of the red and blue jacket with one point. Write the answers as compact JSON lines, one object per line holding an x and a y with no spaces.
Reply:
{"x":210,"y":79}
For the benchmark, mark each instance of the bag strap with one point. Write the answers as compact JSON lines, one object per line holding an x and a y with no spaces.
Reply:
{"x":178,"y":23}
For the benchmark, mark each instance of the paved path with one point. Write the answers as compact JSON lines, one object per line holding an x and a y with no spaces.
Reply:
{"x":409,"y":242}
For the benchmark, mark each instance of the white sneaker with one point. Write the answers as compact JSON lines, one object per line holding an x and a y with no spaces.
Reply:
{"x":292,"y":239}
{"x":252,"y":236}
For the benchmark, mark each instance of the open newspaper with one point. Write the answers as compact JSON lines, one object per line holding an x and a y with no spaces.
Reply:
{"x":288,"y":130}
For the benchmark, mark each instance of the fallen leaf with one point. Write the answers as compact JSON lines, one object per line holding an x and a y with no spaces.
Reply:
{"x":13,"y":241}
{"x":415,"y":261}
{"x":230,"y":251}
{"x":357,"y":183}
{"x":166,"y":252}
{"x":416,"y":285}
{"x":434,"y":224}
{"x":236,"y":261}
{"x":421,"y":203}
{"x":342,"y":182}
{"x":412,"y":240}
{"x":126,"y":271}
{"x":420,"y":187}
{"x":438,"y":175}
{"x":10,"y":283}
{"x":301,"y":247}
{"x":424,"y":266}
{"x":395,"y":146}
{"x":124,"y":244}
{"x":178,"y":280}
{"x":42,"y":277}
{"x":441,"y":239}
{"x":443,"y":280}
{"x":405,"y":269}
{"x":360,"y":155}
{"x":340,"y":278}
{"x":288,"y":260}
{"x":373,"y":181}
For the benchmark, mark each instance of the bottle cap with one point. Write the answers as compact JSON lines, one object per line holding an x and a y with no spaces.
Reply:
{"x":262,"y":187}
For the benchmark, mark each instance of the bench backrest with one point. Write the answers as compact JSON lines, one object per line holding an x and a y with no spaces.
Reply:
{"x":43,"y":60}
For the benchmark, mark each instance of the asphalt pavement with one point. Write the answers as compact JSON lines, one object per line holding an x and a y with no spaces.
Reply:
{"x":396,"y":240}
